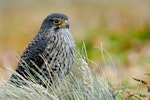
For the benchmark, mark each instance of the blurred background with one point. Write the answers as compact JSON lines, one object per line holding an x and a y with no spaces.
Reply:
{"x":121,"y":27}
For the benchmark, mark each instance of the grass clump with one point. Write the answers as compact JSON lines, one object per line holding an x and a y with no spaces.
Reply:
{"x":80,"y":84}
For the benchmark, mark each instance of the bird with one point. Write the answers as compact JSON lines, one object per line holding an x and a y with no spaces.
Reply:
{"x":49,"y":54}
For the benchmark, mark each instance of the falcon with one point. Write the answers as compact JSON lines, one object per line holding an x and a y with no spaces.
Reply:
{"x":49,"y":55}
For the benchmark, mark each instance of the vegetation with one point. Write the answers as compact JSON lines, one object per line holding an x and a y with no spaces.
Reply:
{"x":121,"y":27}
{"x":80,"y":84}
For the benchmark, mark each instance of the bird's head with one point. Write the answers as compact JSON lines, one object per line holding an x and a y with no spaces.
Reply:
{"x":56,"y":21}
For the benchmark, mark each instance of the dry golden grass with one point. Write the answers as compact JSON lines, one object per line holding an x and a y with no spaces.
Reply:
{"x":122,"y":27}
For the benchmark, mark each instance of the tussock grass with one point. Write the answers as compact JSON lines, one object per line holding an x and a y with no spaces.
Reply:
{"x":80,"y":84}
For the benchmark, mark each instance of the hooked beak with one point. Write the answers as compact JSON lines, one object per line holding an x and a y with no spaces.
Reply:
{"x":65,"y":24}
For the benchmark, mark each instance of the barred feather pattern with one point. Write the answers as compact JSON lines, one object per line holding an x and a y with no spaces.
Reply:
{"x":59,"y":53}
{"x":52,"y":51}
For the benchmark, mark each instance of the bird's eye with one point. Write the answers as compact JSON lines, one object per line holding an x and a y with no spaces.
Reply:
{"x":56,"y":21}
